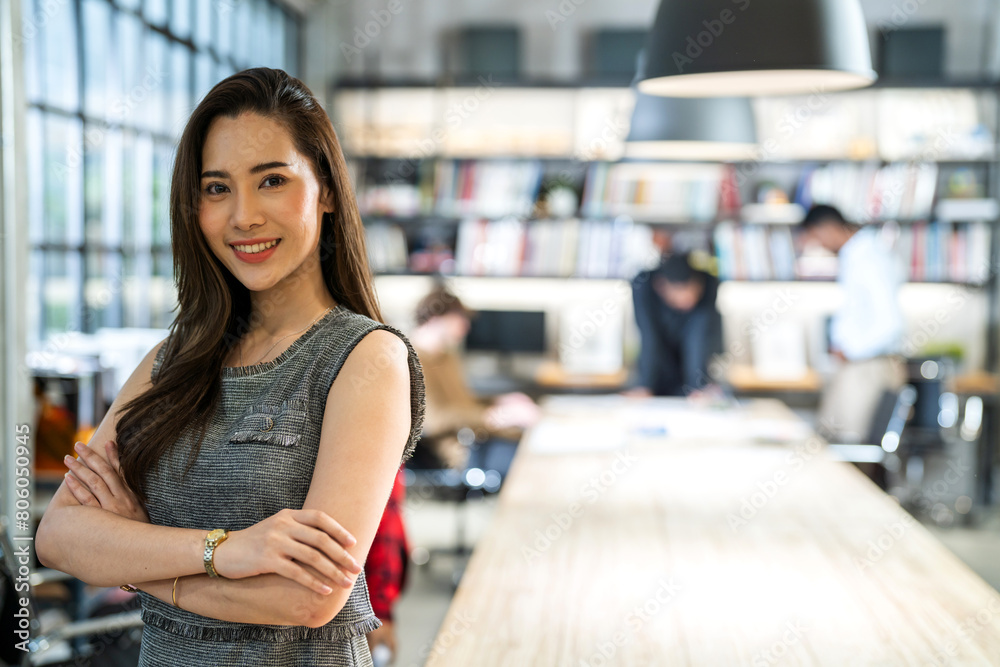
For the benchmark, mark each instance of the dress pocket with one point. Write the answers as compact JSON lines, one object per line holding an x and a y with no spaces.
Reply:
{"x":271,"y":424}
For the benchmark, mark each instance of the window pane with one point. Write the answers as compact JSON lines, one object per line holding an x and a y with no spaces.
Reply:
{"x":163,"y":163}
{"x":130,"y":4}
{"x":135,"y":289}
{"x":93,"y":190}
{"x":242,"y":35}
{"x":36,"y":176}
{"x":61,"y":84}
{"x":97,"y":39}
{"x":204,"y":19}
{"x":276,"y":27}
{"x":123,"y":108}
{"x":180,"y":18}
{"x":163,"y":292}
{"x":223,"y":70}
{"x":102,"y":290}
{"x":141,"y":233}
{"x":128,"y":188}
{"x":224,"y":12}
{"x":150,"y":96}
{"x":111,"y":227}
{"x":63,"y":180}
{"x":34,"y":54}
{"x":61,"y":280}
{"x":291,"y":46}
{"x":155,"y":12}
{"x":179,"y":83}
{"x":204,"y":75}
{"x":260,"y":44}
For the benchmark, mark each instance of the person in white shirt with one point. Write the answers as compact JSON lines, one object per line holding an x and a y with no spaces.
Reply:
{"x":866,"y":332}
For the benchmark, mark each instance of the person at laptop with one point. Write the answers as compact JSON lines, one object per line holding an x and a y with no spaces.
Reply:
{"x":679,"y":326}
{"x":460,"y":429}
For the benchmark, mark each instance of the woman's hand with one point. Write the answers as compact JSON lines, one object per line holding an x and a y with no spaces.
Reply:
{"x":98,"y":483}
{"x":285,"y":541}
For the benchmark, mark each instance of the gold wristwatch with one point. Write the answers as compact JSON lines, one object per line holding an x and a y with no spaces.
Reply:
{"x":212,"y":540}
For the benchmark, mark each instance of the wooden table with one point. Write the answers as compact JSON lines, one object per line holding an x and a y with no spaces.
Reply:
{"x":640,"y":532}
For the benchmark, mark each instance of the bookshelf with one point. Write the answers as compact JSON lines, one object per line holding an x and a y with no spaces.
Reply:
{"x":488,"y":185}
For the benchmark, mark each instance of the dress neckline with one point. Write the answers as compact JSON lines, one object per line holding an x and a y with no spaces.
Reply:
{"x":265,"y":366}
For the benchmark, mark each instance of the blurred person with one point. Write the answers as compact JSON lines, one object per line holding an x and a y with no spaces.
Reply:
{"x":680,"y":328}
{"x":866,"y":332}
{"x":276,"y":413}
{"x":462,"y":431}
{"x":386,"y":570}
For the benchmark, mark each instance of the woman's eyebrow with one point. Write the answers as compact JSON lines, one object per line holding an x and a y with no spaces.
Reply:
{"x":264,"y":166}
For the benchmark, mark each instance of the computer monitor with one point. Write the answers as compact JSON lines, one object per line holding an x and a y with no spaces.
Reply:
{"x":507,"y":331}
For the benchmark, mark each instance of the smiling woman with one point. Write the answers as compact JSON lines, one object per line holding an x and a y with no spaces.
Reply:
{"x":249,"y":551}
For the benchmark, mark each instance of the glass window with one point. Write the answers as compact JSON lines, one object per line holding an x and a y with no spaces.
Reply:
{"x":224,"y":13}
{"x":111,"y":227}
{"x":204,"y":20}
{"x":93,"y":191}
{"x":33,"y":55}
{"x":131,"y":61}
{"x":36,"y":176}
{"x":204,"y":76}
{"x":162,"y":166}
{"x":149,"y":97}
{"x":136,"y":289}
{"x":102,"y":290}
{"x":63,"y":180}
{"x":180,"y":18}
{"x":61,"y":291}
{"x":96,"y":63}
{"x":155,"y":11}
{"x":180,"y":88}
{"x":62,"y":85}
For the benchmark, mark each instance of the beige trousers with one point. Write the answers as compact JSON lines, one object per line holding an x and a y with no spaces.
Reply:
{"x":849,"y":400}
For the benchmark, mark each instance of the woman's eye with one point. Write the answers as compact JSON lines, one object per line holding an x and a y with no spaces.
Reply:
{"x":210,"y":191}
{"x":279,"y":179}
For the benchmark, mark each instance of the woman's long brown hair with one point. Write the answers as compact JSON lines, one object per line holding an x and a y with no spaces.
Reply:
{"x":213,"y":309}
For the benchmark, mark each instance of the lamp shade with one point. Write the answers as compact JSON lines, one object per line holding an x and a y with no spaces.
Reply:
{"x":725,"y":48}
{"x":676,"y":128}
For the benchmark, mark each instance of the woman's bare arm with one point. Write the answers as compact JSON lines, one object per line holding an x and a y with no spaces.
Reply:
{"x":104,"y":549}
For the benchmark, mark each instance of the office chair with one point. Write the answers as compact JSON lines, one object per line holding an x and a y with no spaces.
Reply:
{"x":885,"y":433}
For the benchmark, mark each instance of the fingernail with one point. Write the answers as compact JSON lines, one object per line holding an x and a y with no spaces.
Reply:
{"x":326,"y":590}
{"x":346,"y":583}
{"x":68,"y":458}
{"x":79,"y":446}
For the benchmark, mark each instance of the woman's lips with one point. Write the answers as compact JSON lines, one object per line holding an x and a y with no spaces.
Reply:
{"x":255,"y":257}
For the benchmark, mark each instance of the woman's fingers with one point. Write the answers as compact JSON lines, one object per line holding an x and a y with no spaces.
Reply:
{"x":80,"y":491}
{"x":294,"y":571}
{"x":323,"y":521}
{"x":326,"y":549}
{"x":108,"y":475}
{"x":303,"y":553}
{"x":111,"y":447}
{"x":88,"y":477}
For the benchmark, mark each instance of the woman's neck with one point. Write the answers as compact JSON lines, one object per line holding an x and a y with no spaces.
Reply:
{"x":289,"y":305}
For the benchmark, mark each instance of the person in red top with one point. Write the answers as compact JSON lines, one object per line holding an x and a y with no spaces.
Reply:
{"x":386,"y":567}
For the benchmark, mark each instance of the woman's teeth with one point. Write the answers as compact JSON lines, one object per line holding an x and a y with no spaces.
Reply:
{"x":256,"y":247}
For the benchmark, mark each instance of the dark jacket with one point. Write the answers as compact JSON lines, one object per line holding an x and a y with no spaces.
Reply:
{"x":676,"y":346}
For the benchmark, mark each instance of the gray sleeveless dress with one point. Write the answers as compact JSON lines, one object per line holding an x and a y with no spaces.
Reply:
{"x":257,"y":458}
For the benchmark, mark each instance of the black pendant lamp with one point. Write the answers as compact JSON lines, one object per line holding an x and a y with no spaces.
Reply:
{"x":715,"y":48}
{"x":677,"y":128}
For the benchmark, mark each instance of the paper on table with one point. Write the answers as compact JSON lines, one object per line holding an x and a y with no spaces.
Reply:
{"x":561,"y":436}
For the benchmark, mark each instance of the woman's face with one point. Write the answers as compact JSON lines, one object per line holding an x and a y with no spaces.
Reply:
{"x":260,"y":204}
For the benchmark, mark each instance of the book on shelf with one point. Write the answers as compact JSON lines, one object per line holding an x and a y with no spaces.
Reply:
{"x":866,"y":192}
{"x":553,"y":248}
{"x":655,"y":191}
{"x":956,"y":252}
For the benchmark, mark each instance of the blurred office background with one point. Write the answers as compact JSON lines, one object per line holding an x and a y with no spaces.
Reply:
{"x":487,"y":144}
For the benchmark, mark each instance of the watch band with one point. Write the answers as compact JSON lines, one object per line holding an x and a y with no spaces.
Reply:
{"x":212,"y":540}
{"x":128,"y":587}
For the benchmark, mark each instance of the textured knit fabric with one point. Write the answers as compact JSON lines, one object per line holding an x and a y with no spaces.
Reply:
{"x":257,"y":458}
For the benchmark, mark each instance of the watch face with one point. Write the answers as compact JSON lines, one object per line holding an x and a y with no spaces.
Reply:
{"x":216,"y":534}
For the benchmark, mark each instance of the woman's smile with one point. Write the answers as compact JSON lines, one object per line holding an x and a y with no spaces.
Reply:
{"x":254,"y":251}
